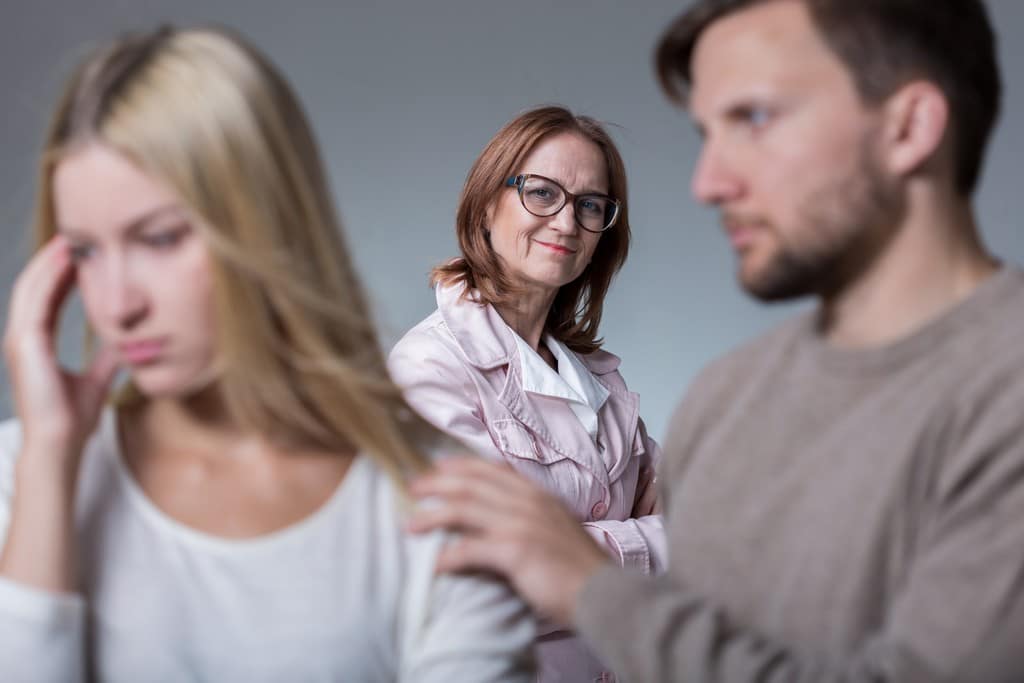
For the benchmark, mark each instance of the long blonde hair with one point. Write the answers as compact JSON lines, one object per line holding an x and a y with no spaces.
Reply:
{"x":206,"y":114}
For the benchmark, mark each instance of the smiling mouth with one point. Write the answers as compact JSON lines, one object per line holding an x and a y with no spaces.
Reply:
{"x":557,"y":248}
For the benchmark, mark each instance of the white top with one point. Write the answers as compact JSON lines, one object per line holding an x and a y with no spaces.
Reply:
{"x":341,"y":595}
{"x":572,"y":381}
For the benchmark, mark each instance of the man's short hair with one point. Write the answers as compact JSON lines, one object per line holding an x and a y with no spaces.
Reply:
{"x":884,"y":44}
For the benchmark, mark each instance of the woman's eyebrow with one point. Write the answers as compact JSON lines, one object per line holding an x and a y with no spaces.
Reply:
{"x":132,"y":225}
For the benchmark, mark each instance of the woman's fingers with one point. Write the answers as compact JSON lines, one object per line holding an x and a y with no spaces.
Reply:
{"x":508,"y":525}
{"x":98,"y":377}
{"x":467,"y":554}
{"x":473,"y":483}
{"x":472,"y":514}
{"x":29,"y":336}
{"x":486,"y":501}
{"x":41,"y":289}
{"x":56,"y":407}
{"x":457,"y":517}
{"x":456,"y":473}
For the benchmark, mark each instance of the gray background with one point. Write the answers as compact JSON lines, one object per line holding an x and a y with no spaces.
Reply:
{"x":403,"y":95}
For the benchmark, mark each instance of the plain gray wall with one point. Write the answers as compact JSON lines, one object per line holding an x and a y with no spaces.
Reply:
{"x":403,"y":95}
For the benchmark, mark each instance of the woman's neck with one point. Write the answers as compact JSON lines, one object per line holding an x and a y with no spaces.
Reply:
{"x":206,"y":472}
{"x":528,"y":314}
{"x":197,"y":424}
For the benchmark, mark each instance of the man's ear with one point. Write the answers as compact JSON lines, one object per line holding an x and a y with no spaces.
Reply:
{"x":916,"y":120}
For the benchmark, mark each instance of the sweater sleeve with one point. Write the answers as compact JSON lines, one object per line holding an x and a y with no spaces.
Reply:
{"x":42,"y":634}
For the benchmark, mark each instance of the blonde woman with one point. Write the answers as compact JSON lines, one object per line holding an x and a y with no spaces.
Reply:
{"x":237,"y":513}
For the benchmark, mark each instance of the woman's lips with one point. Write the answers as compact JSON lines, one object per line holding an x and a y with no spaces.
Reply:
{"x":141,"y":352}
{"x":557,"y":248}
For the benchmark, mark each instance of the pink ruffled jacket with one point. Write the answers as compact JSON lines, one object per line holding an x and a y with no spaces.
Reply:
{"x":460,"y":369}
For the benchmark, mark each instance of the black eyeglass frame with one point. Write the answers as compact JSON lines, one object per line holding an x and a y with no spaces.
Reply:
{"x":519,"y":182}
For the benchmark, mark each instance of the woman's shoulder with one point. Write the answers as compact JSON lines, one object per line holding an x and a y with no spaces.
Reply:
{"x":425,"y":333}
{"x":479,"y":614}
{"x":429,"y":344}
{"x":389,"y":487}
{"x":377,"y":508}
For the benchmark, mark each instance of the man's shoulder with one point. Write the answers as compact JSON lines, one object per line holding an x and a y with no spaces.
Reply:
{"x":987,"y":344}
{"x":764,"y":349}
{"x":1001,"y":310}
{"x":715,"y":385}
{"x":986,"y":360}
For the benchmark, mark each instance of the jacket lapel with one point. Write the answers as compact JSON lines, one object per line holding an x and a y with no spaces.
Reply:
{"x":488,"y":344}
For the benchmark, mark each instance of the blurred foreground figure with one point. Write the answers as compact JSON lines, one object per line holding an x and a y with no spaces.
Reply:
{"x":237,"y":514}
{"x":844,"y":496}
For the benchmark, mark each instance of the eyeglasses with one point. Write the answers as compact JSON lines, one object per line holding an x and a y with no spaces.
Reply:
{"x":544,"y":197}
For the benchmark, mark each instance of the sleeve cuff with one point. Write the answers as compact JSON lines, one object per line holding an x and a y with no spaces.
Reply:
{"x":626,"y":543}
{"x":25,"y":603}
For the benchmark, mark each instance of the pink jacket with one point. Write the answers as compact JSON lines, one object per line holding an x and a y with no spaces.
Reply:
{"x":460,"y":369}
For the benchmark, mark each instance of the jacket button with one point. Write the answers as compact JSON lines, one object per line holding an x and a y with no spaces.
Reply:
{"x":597,"y":512}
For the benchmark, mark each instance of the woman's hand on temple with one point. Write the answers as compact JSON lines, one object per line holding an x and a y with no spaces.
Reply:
{"x":58,"y":409}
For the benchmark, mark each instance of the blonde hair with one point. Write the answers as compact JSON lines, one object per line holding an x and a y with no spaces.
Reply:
{"x":206,"y":114}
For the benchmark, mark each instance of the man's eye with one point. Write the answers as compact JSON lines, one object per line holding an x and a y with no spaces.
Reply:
{"x":758,"y":117}
{"x":752,"y":116}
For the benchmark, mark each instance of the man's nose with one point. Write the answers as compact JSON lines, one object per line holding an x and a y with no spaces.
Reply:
{"x":714,"y":180}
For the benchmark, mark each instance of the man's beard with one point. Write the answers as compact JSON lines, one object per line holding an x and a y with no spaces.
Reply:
{"x":842,"y":228}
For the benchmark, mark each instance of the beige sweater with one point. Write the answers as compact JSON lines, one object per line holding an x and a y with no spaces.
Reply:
{"x":840,"y":515}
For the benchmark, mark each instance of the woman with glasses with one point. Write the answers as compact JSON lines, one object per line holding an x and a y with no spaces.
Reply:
{"x":237,"y":513}
{"x":510,"y":362}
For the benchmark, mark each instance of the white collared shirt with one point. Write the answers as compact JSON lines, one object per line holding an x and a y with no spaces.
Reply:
{"x":573,"y":381}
